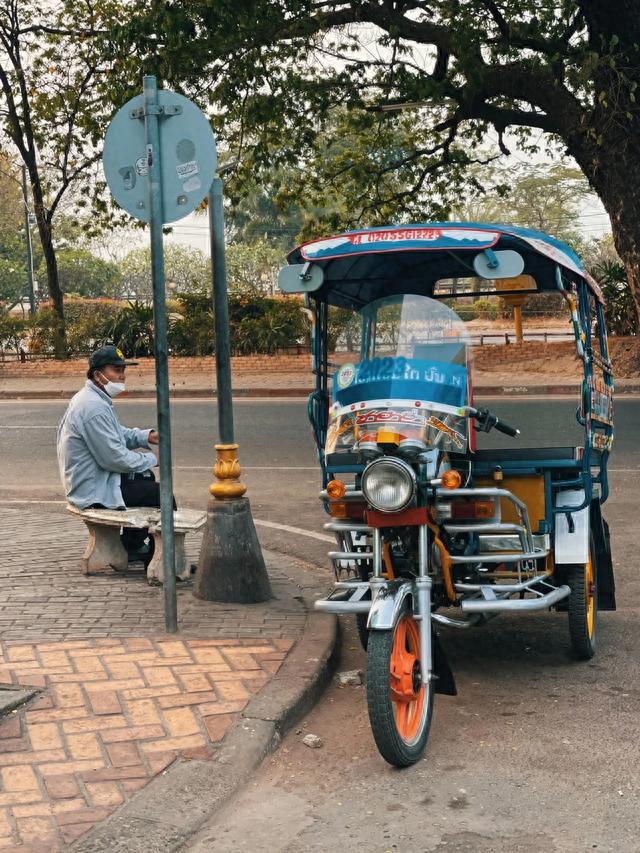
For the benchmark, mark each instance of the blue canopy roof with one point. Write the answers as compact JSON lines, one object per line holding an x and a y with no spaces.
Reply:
{"x":361,"y":266}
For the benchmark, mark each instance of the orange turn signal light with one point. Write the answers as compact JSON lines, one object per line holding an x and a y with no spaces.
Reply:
{"x":338,"y":509}
{"x":451,"y":479}
{"x":336,"y":489}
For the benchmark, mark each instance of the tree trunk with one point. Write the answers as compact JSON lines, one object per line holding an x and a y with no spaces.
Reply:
{"x":616,"y":180}
{"x":53,"y":284}
{"x":620,"y":196}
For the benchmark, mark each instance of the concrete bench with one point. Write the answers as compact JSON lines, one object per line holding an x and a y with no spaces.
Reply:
{"x":105,"y":552}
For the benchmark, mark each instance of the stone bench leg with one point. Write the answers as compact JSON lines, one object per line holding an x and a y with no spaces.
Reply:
{"x":155,"y":572}
{"x":104,"y":551}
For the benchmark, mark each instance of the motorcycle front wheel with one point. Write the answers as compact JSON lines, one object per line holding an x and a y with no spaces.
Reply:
{"x":400,"y":704}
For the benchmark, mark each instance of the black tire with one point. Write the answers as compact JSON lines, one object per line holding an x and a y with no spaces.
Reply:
{"x":392,"y":745}
{"x":583,"y":608}
{"x":363,"y":633}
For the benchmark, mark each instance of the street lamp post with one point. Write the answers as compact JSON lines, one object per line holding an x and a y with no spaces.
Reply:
{"x":231,"y":566}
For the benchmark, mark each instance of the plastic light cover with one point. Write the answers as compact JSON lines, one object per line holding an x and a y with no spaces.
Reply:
{"x":388,"y":485}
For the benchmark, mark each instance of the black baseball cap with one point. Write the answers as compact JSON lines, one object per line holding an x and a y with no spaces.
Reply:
{"x":108,"y":355}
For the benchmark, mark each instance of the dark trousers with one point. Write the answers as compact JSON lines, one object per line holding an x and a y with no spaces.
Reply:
{"x":142,"y":490}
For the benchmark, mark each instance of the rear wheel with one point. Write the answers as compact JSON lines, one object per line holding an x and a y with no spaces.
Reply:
{"x":400,"y":704}
{"x":583,"y":608}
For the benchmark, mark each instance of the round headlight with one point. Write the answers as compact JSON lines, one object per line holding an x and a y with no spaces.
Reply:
{"x":388,"y":484}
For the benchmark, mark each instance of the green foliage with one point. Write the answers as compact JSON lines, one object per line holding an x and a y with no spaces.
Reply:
{"x":622,"y":318}
{"x":188,"y":269}
{"x":465,"y":310}
{"x":343,"y":329}
{"x":265,"y":325}
{"x":88,"y":323}
{"x":132,"y":329}
{"x":483,"y":308}
{"x":263,"y":214}
{"x":13,"y":281}
{"x":13,"y":330}
{"x":82,"y":273}
{"x":78,"y":308}
{"x":383,"y":111}
{"x":86,"y":334}
{"x":298,"y":84}
{"x":54,"y":107}
{"x":191,"y":329}
{"x":11,"y":208}
{"x":545,"y":197}
{"x":253,"y":268}
{"x":43,"y":330}
{"x":486,"y":308}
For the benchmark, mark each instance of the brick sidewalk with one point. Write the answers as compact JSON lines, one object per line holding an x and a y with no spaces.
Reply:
{"x":119,"y":699}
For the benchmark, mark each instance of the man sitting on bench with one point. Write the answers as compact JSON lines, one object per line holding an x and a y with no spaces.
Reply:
{"x":99,"y":463}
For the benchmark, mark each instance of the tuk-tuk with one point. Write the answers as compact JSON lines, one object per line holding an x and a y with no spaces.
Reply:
{"x":432,"y":530}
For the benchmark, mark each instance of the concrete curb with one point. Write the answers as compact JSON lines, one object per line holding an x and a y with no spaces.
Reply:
{"x":165,"y":814}
{"x":12,"y":698}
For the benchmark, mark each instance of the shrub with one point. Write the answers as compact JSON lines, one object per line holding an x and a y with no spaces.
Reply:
{"x":77,"y":308}
{"x":486,"y":308}
{"x":13,"y":330}
{"x":132,"y":329}
{"x":43,"y":327}
{"x":87,"y":334}
{"x":191,"y":330}
{"x":343,"y":329}
{"x":622,"y":318}
{"x":265,"y":324}
{"x":466,"y":311}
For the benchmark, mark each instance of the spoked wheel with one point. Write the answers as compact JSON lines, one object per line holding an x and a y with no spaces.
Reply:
{"x":583,"y":608}
{"x":400,"y":705}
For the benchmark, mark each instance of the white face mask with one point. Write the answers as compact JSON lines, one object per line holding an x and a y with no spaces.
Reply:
{"x":114,"y":388}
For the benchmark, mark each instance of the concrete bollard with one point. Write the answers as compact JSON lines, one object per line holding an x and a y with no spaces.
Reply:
{"x":231,"y":567}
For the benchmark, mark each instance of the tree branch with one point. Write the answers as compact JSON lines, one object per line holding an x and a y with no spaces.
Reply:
{"x":68,"y":180}
{"x":497,"y":16}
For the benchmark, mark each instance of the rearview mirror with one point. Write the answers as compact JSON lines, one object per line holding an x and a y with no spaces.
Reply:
{"x":300,"y":278}
{"x":502,"y":264}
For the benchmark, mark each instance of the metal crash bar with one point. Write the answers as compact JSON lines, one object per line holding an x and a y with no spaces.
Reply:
{"x":491,"y":492}
{"x":506,"y":605}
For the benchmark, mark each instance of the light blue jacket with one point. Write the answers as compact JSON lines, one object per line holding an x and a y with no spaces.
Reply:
{"x":94,"y":449}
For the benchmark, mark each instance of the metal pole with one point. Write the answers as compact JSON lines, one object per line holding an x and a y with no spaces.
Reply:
{"x":152,"y":136}
{"x":27,"y":234}
{"x":221,"y":313}
{"x":517,"y":316}
{"x":231,"y":566}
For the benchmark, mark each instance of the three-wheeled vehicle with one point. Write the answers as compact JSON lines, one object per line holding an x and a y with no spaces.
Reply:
{"x":431,"y":530}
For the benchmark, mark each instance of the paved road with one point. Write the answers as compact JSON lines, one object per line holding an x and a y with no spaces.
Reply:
{"x":276,"y":452}
{"x":537,"y":753}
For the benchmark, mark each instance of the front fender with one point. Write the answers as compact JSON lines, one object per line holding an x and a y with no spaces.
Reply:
{"x":387,"y":604}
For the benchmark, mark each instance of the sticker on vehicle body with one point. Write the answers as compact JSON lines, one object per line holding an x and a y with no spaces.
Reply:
{"x":390,"y":416}
{"x":456,"y":437}
{"x":346,"y":375}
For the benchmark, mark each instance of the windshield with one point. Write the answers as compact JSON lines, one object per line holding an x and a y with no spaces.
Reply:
{"x":409,"y":382}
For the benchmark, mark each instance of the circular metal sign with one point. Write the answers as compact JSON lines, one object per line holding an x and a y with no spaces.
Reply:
{"x":187,"y":156}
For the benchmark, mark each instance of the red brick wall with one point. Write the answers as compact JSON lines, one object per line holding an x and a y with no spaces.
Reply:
{"x":240,"y":364}
{"x":483,"y":356}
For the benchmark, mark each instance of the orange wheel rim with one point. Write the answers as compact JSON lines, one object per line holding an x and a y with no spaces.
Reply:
{"x":407,"y":690}
{"x":591,"y":596}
